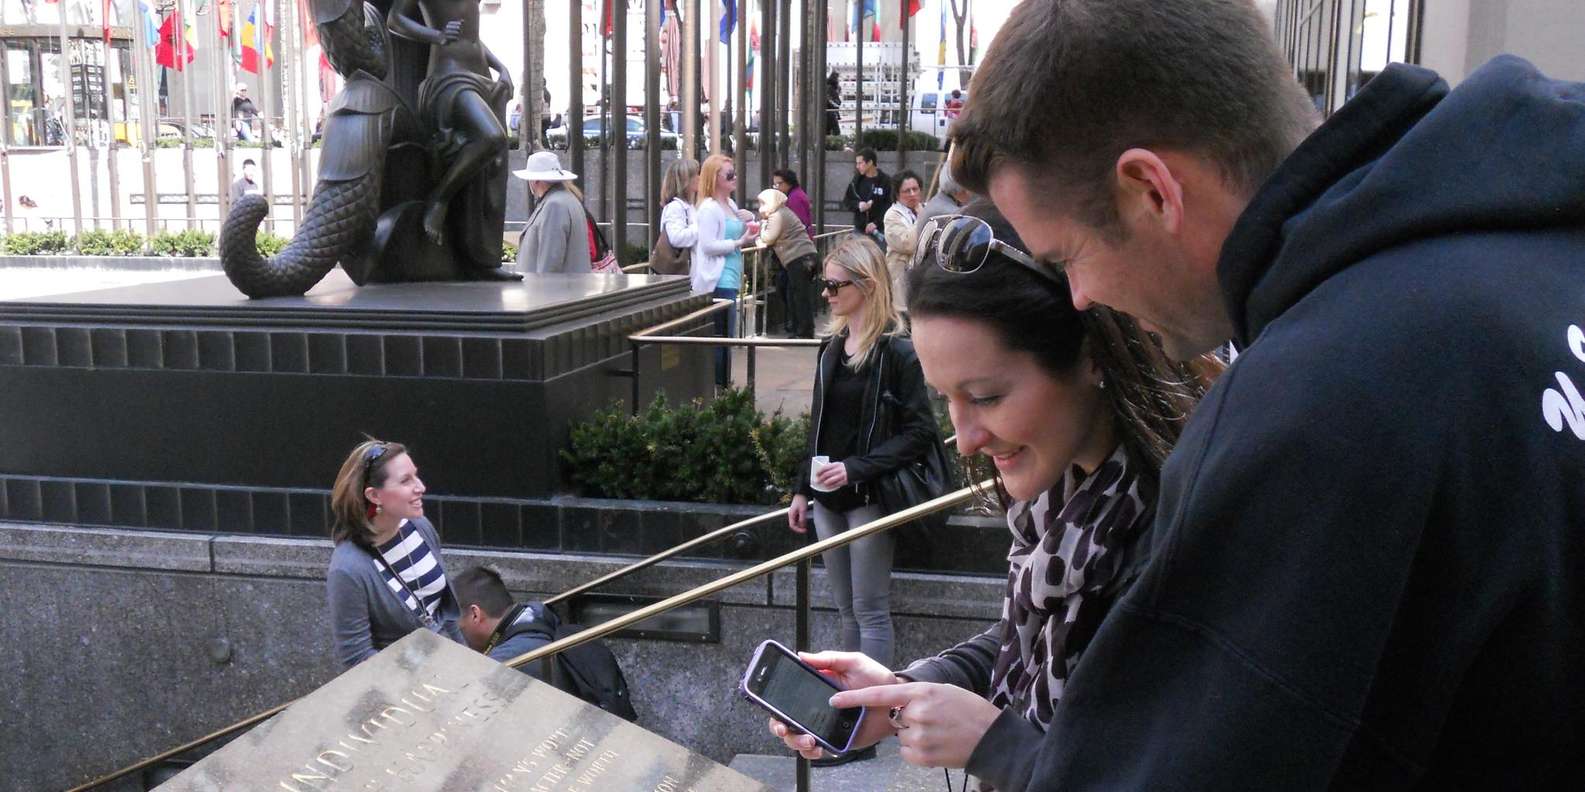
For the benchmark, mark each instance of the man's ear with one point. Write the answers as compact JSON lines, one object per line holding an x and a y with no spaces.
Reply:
{"x":1148,"y":190}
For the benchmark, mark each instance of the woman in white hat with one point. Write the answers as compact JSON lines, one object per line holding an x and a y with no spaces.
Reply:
{"x":557,"y":236}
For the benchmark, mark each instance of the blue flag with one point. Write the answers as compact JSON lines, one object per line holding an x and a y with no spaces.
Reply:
{"x":865,"y":8}
{"x":728,"y":20}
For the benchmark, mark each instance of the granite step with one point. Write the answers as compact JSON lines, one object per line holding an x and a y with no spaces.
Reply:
{"x":887,"y":772}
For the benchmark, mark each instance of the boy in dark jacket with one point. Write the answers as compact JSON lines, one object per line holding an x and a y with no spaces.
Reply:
{"x":493,"y":624}
{"x":868,"y":196}
{"x":1368,"y":572}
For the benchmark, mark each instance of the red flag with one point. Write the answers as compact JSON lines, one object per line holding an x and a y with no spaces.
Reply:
{"x":910,"y":7}
{"x":174,"y":51}
{"x":250,"y":48}
{"x":105,"y":15}
{"x":606,"y":19}
{"x":310,"y":30}
{"x":223,"y":9}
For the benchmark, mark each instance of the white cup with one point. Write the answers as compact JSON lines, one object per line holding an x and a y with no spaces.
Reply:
{"x":815,"y":464}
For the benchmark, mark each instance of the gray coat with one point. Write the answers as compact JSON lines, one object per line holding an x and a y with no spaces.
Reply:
{"x":557,"y":236}
{"x":365,"y":614}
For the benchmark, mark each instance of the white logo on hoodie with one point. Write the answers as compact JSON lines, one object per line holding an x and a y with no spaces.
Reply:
{"x":1564,"y":403}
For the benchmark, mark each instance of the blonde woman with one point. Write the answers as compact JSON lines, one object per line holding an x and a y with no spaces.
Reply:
{"x":679,"y":222}
{"x":870,"y":416}
{"x":724,"y":230}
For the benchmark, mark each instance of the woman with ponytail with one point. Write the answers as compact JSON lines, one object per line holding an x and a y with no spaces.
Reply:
{"x":1077,"y":412}
{"x":386,"y":579}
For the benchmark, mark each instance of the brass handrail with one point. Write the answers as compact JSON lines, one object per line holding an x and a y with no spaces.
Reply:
{"x":605,"y":628}
{"x":843,"y":539}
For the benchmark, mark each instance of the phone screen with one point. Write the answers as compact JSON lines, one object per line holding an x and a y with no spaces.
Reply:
{"x":803,"y":696}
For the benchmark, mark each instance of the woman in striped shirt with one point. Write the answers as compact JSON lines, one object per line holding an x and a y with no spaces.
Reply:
{"x":385,"y":578}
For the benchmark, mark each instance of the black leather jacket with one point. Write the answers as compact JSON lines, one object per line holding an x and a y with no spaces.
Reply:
{"x":897,"y":425}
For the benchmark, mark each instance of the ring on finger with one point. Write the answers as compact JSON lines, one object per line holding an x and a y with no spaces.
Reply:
{"x":896,"y":717}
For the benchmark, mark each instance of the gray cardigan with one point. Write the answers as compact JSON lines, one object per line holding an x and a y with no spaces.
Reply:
{"x":365,"y":615}
{"x":557,"y":236}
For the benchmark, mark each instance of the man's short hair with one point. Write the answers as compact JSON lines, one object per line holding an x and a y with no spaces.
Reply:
{"x":944,"y":181}
{"x":787,"y":175}
{"x":868,"y":155}
{"x":1069,"y":85}
{"x":248,"y":161}
{"x":482,"y":586}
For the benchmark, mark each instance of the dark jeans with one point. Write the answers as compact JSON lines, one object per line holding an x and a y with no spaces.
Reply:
{"x":801,"y":295}
{"x":725,"y":326}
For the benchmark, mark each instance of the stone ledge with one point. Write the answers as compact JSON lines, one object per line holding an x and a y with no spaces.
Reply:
{"x":61,"y":544}
{"x":273,"y":557}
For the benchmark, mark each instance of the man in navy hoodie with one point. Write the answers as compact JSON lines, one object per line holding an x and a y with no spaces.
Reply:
{"x":1371,"y":565}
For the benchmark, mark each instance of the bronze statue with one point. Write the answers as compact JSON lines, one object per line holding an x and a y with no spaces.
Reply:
{"x":418,"y":126}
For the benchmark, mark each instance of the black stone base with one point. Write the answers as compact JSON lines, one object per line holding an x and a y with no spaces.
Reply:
{"x":189,"y":406}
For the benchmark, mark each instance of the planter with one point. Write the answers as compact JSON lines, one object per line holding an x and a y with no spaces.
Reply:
{"x":143,"y":263}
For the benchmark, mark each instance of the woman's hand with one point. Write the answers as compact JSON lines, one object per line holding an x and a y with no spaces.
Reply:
{"x":745,"y":215}
{"x":852,"y":671}
{"x":833,"y":476}
{"x":797,"y":514}
{"x":941,"y":724}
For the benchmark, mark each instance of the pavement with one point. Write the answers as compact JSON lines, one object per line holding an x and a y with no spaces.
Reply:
{"x":783,"y":377}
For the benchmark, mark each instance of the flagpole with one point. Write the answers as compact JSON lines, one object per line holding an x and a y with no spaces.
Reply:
{"x":107,"y":98}
{"x":821,"y":46}
{"x":765,"y":61}
{"x":573,"y":120}
{"x":183,"y":68}
{"x":652,"y":152}
{"x":291,"y":76}
{"x":71,"y":121}
{"x":688,"y":108}
{"x":740,"y":95}
{"x":858,"y":116}
{"x":222,"y":84}
{"x":781,"y":103}
{"x":618,"y":139}
{"x":261,"y":41}
{"x":902,"y":90}
{"x":714,"y":63}
{"x":143,"y":67}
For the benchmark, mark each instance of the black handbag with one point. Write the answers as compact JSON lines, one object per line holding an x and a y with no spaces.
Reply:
{"x":916,"y":482}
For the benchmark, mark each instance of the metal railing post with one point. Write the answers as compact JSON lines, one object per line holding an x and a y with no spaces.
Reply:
{"x":636,"y":396}
{"x":801,"y":643}
{"x":751,"y":351}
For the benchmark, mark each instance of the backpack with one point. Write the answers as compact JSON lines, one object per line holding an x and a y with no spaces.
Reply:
{"x":588,"y":671}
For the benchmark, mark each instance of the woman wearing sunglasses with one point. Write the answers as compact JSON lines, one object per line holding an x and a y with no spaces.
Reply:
{"x":385,"y":577}
{"x":1077,"y":412}
{"x":870,"y":416}
{"x":717,"y":265}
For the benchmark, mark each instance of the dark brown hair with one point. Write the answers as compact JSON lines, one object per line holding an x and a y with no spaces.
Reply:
{"x":1151,"y":396}
{"x":1069,"y":85}
{"x":349,"y":509}
{"x":482,"y":586}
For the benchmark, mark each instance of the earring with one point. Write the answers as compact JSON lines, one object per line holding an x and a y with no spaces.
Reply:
{"x":1103,"y":385}
{"x":378,"y":508}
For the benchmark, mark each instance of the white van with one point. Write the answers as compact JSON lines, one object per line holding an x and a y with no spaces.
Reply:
{"x":932,"y":92}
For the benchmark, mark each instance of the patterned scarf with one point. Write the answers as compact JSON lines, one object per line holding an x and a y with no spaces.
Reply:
{"x":1063,"y":572}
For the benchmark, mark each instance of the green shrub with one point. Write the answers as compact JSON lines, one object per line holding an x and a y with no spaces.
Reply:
{"x":633,"y":253}
{"x":886,"y":140}
{"x":837,"y":142}
{"x":721,"y":451}
{"x":36,"y":243}
{"x":269,"y":244}
{"x":508,"y":252}
{"x":100,"y":242}
{"x":190,"y":243}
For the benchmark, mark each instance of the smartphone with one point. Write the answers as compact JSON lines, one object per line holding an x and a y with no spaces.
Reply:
{"x":799,"y":696}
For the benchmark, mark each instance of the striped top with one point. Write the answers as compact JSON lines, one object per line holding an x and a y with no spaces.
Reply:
{"x":412,"y":558}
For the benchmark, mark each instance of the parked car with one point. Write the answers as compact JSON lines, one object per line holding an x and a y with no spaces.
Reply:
{"x":556,"y":137}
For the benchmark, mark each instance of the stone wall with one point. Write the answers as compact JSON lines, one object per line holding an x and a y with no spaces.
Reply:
{"x":126,"y":643}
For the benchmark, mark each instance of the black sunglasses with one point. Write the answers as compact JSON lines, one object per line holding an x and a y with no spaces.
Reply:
{"x":962,"y":244}
{"x":370,"y":457}
{"x":833,"y":286}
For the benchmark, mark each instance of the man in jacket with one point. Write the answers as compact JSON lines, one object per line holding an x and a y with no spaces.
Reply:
{"x":868,"y":196}
{"x":556,"y":238}
{"x":495,"y":625}
{"x":1368,"y":573}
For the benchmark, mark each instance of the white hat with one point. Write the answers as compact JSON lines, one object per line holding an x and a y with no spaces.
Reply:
{"x":544,"y":166}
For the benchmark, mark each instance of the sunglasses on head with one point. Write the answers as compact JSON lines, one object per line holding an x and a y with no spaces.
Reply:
{"x":962,"y":244}
{"x":833,"y":286}
{"x":372,"y":456}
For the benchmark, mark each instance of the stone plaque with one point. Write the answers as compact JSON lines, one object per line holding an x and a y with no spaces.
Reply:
{"x":430,"y":714}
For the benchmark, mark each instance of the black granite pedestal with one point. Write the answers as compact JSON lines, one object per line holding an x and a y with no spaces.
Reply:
{"x":183,"y":405}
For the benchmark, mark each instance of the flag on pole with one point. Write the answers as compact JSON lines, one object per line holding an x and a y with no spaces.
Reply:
{"x":105,"y":18}
{"x":250,"y":42}
{"x":910,"y":7}
{"x":173,"y":51}
{"x":728,"y":20}
{"x":753,"y":48}
{"x":941,"y":52}
{"x":607,"y":21}
{"x":151,"y":31}
{"x":862,"y":9}
{"x":223,"y":10}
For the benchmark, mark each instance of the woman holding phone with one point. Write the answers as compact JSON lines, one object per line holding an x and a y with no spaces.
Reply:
{"x":386,"y":578}
{"x":870,"y":416}
{"x":1077,"y":412}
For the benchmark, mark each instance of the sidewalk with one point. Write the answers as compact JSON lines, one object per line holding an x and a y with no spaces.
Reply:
{"x":784,"y":377}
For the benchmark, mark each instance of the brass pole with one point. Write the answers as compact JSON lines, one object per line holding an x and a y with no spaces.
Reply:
{"x":743,"y":576}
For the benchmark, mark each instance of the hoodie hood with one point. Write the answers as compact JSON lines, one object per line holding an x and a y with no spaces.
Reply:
{"x":1405,"y":160}
{"x":771,"y":199}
